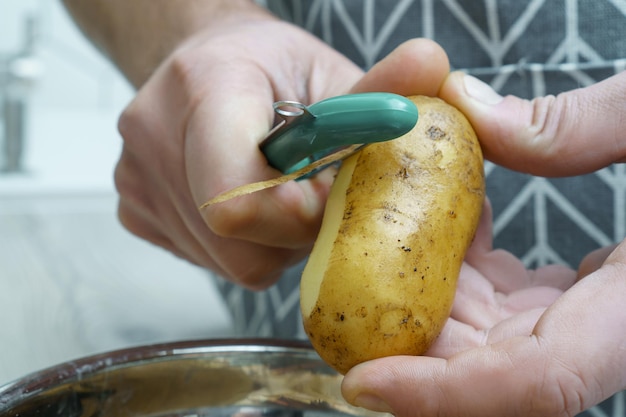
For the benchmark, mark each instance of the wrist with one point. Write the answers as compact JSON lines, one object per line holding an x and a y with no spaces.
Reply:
{"x":138,"y":35}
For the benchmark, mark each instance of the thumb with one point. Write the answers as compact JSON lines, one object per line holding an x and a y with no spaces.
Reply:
{"x":576,"y":132}
{"x":417,"y":66}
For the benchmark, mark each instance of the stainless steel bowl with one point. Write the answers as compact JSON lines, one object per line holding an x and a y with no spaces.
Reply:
{"x":202,"y":378}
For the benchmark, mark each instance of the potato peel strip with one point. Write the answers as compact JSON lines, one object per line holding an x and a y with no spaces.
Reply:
{"x":263,"y":185}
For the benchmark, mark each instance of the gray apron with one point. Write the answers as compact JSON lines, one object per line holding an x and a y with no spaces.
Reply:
{"x":525,"y":48}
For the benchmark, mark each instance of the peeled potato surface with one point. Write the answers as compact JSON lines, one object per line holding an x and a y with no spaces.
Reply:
{"x":381,"y":278}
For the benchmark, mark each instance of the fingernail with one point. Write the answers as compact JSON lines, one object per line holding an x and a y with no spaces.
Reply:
{"x":372,"y":402}
{"x":481,"y":91}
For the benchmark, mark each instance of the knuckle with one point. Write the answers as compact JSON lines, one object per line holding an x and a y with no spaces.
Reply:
{"x":550,"y":125}
{"x":119,"y":177}
{"x":184,"y":64}
{"x":186,"y":70}
{"x":127,"y":122}
{"x":180,"y":81}
{"x":560,"y":393}
{"x":125,"y":218}
{"x":134,"y":200}
{"x":122,"y":177}
{"x":128,"y":219}
{"x":134,"y":124}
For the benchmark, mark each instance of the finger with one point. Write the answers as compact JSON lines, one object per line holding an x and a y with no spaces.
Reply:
{"x":505,"y":272}
{"x":478,"y":382}
{"x":222,"y":153}
{"x":457,"y":336}
{"x":178,"y":240}
{"x":479,"y":305}
{"x":573,"y":133}
{"x":146,"y":210}
{"x":483,"y":238}
{"x":286,"y":216}
{"x":418,"y":66}
{"x":479,"y":302}
{"x":515,"y":377}
{"x":502,"y":271}
{"x":475,"y":300}
{"x":594,"y":261}
{"x":143,"y":228}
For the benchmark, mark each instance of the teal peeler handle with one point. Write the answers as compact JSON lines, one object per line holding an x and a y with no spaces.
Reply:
{"x":329,"y":125}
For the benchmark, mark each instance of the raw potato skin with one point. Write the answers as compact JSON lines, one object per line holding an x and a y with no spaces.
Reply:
{"x":382,"y":276}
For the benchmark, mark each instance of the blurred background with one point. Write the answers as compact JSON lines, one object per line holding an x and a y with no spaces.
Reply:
{"x":73,"y":282}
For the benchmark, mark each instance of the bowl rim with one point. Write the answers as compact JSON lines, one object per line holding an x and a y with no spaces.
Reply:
{"x":21,"y":389}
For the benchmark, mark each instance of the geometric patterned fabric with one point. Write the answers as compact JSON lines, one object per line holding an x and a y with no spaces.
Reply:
{"x":526,"y":48}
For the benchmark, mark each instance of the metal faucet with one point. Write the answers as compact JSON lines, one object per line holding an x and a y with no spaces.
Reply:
{"x":18,"y":74}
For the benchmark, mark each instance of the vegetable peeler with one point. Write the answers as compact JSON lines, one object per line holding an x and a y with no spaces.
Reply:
{"x":309,"y":133}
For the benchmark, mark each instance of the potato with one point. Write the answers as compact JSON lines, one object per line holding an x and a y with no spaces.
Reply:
{"x":382,"y":275}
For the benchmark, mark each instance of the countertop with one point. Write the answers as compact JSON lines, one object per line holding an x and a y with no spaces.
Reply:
{"x":73,"y":282}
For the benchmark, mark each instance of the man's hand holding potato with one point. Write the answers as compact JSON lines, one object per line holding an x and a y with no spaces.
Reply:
{"x":549,"y":342}
{"x":518,"y":343}
{"x":208,"y":73}
{"x":192,"y":132}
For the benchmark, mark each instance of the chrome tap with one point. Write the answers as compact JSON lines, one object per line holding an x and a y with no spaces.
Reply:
{"x":19,"y":72}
